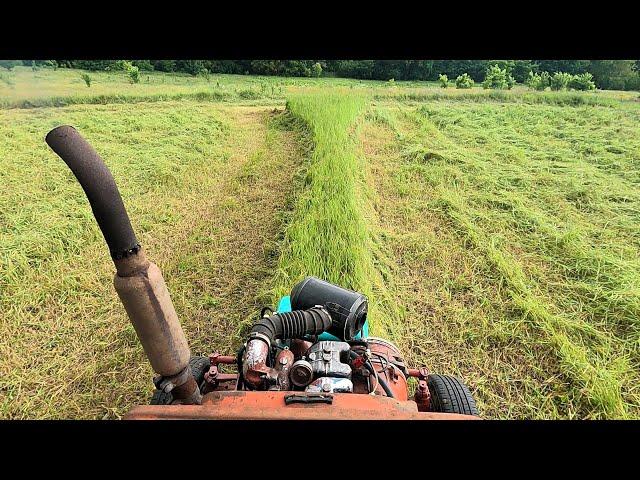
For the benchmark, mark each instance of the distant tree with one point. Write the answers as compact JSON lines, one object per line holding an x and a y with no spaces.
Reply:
{"x":569,"y":66}
{"x":444,"y":80}
{"x":143,"y":65}
{"x":164,"y":65}
{"x":50,"y":64}
{"x":615,"y":74}
{"x":453,"y":68}
{"x":95,"y":65}
{"x":316,"y":69}
{"x":192,"y":67}
{"x":355,"y":68}
{"x":9,"y":64}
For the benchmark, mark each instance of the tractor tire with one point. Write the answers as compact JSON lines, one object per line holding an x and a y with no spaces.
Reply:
{"x":450,"y":395}
{"x":199,"y":366}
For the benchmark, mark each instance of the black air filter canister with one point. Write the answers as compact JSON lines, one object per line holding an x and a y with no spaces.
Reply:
{"x":348,"y":309}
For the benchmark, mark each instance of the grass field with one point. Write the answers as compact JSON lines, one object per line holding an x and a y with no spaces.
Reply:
{"x":495,"y":233}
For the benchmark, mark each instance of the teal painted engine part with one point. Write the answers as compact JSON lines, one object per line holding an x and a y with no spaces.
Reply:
{"x":285,"y":306}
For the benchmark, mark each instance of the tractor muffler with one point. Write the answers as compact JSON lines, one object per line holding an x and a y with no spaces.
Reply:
{"x":138,"y":281}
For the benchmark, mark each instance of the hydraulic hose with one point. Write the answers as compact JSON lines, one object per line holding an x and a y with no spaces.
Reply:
{"x":99,"y":186}
{"x":295,"y":324}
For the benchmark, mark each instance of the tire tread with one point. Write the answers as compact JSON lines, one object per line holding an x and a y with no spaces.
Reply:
{"x":450,"y":395}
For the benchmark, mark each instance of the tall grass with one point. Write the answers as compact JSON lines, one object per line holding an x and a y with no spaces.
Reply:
{"x":574,"y":99}
{"x":330,"y":234}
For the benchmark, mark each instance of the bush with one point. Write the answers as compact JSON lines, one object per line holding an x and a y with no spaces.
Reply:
{"x":316,"y":70}
{"x":87,"y":78}
{"x":133,"y":72}
{"x":206,"y":74}
{"x":583,"y":81}
{"x":498,"y":78}
{"x":464,"y":81}
{"x":538,"y":81}
{"x":444,"y":81}
{"x":559,"y":81}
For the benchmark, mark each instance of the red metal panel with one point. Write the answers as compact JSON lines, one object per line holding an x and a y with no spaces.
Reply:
{"x":270,"y":405}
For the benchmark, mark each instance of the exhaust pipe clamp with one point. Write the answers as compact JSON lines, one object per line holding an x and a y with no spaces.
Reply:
{"x":182,"y":386}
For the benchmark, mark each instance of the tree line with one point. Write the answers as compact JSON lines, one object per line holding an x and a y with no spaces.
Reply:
{"x":607,"y":74}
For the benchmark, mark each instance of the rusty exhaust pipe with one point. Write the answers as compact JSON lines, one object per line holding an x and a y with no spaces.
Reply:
{"x":138,"y":281}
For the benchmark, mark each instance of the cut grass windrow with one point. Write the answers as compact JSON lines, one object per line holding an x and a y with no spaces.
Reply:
{"x":538,"y":216}
{"x":600,"y":383}
{"x":105,"y":99}
{"x":574,"y":99}
{"x":204,"y":185}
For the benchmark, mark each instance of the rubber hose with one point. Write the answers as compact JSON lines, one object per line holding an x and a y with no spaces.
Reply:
{"x":99,"y":186}
{"x":381,"y":380}
{"x":371,"y":368}
{"x":295,"y":324}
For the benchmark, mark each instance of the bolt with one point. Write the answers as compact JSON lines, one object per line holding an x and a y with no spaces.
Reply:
{"x":326,"y":387}
{"x":168,"y":387}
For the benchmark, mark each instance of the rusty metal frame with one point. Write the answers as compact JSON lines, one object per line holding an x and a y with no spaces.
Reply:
{"x":272,"y":405}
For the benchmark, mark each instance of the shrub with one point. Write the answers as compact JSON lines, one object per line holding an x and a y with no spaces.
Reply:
{"x":498,"y":78}
{"x":87,"y":78}
{"x":134,"y":73}
{"x":464,"y":81}
{"x":560,"y":80}
{"x":206,"y":74}
{"x":444,"y":81}
{"x":538,"y":81}
{"x":316,"y":70}
{"x":583,"y":81}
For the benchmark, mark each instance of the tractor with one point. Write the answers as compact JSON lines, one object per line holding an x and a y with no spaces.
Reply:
{"x":311,"y":358}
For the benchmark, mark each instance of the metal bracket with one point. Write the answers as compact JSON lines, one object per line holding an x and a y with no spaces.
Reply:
{"x":308,"y":398}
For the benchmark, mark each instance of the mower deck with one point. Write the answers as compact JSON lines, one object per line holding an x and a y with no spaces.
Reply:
{"x":283,"y":405}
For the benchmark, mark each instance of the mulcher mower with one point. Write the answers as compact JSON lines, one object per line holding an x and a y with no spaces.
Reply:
{"x":311,"y":358}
